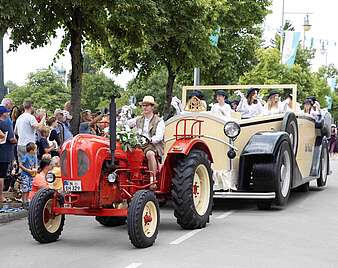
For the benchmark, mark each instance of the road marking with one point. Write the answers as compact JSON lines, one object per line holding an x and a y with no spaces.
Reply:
{"x":185,"y":237}
{"x":134,"y":265}
{"x":224,"y":215}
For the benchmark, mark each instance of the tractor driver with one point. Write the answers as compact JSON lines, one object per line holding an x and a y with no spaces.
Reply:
{"x":151,"y":126}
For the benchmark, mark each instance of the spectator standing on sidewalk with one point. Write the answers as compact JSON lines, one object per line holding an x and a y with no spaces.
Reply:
{"x":6,"y":147}
{"x":39,"y":180}
{"x":28,"y":165}
{"x":8,"y":104}
{"x":25,"y":128}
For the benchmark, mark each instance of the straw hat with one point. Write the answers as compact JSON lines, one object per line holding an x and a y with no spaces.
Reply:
{"x":149,"y":100}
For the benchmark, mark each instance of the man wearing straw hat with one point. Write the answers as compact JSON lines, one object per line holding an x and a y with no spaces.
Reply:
{"x":151,"y":126}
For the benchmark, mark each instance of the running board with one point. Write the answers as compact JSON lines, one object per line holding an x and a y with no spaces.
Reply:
{"x":244,"y":195}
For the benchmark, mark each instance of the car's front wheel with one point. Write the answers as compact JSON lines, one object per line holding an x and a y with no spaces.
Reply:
{"x":324,"y":166}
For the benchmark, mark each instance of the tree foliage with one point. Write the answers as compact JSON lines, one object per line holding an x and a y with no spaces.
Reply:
{"x":97,"y":90}
{"x":44,"y":88}
{"x":270,"y":71}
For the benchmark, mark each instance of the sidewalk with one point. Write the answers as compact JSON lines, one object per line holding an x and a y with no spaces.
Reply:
{"x":11,"y":211}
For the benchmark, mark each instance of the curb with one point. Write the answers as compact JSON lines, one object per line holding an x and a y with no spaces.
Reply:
{"x":8,"y":217}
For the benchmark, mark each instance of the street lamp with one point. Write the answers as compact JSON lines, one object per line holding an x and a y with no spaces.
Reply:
{"x":306,"y":26}
{"x":323,"y":51}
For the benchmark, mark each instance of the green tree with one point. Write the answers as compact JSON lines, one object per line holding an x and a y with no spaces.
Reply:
{"x":154,"y":85}
{"x":176,"y":36}
{"x":97,"y":89}
{"x":35,"y":22}
{"x":239,"y":38}
{"x":44,"y":88}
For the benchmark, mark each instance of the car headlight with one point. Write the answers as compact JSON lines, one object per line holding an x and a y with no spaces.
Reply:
{"x":232,"y":129}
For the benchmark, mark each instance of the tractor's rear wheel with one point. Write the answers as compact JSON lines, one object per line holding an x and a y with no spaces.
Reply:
{"x":111,"y":221}
{"x":45,"y":226}
{"x":192,"y":191}
{"x":143,"y":219}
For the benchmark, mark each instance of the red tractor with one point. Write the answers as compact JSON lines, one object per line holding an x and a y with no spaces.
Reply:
{"x":102,"y":180}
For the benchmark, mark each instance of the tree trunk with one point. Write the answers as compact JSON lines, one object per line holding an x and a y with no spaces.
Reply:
{"x":169,"y":91}
{"x":77,"y":68}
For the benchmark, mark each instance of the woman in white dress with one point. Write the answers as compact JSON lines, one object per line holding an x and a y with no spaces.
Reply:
{"x":250,"y":105}
{"x":273,"y":104}
{"x":221,"y":108}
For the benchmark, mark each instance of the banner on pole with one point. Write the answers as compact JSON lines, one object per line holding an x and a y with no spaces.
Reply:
{"x":291,"y":42}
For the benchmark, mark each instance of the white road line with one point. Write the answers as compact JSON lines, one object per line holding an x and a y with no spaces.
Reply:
{"x":134,"y":265}
{"x":224,"y":215}
{"x":185,"y":237}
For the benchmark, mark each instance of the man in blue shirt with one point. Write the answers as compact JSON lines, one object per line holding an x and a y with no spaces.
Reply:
{"x":6,"y":147}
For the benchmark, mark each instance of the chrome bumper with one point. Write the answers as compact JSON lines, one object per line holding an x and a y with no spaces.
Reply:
{"x":244,"y":195}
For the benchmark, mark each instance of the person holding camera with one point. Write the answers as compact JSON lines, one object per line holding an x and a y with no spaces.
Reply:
{"x":88,"y":123}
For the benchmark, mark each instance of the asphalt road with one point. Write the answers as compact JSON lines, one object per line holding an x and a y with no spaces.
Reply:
{"x":304,"y":234}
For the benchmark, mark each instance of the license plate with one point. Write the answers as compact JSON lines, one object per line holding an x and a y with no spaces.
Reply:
{"x":72,"y":186}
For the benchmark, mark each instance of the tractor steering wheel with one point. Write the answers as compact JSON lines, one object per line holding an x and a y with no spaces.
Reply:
{"x":144,"y":140}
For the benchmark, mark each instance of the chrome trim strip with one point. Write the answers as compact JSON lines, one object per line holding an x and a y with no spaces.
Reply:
{"x":244,"y":195}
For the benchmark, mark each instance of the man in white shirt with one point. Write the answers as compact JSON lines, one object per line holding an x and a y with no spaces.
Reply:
{"x":25,"y":127}
{"x":221,"y":108}
{"x":152,"y":127}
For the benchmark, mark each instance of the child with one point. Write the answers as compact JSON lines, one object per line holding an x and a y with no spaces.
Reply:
{"x":28,"y":166}
{"x":57,"y":185}
{"x":39,"y":181}
{"x":43,"y":144}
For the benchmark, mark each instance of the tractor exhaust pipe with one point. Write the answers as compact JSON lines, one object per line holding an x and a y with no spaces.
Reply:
{"x":112,"y":129}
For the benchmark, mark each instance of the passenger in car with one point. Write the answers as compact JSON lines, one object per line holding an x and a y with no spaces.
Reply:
{"x":221,"y":108}
{"x":287,"y":104}
{"x":273,"y":104}
{"x":234,"y":105}
{"x":308,"y":108}
{"x":250,"y":105}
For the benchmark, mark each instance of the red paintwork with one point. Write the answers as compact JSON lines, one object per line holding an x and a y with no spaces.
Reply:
{"x":98,"y":196}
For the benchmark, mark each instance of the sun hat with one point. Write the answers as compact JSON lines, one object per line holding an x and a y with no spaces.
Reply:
{"x":221,"y":92}
{"x":58,"y":111}
{"x":272,"y":93}
{"x":250,"y":90}
{"x":149,"y":100}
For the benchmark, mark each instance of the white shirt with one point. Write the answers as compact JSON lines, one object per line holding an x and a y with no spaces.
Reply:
{"x":249,"y":111}
{"x":25,"y":129}
{"x":274,"y":110}
{"x":159,"y":135}
{"x":223,"y":110}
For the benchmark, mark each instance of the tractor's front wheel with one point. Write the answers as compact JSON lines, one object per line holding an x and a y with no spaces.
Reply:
{"x":111,"y":221}
{"x":45,"y":226}
{"x":192,"y":191}
{"x":143,"y":219}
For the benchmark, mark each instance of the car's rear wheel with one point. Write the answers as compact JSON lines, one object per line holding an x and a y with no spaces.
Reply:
{"x":290,"y":126}
{"x":193,"y":190}
{"x":324,"y":166}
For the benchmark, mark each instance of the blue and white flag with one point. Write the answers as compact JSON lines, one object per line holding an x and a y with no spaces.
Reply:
{"x":291,"y":42}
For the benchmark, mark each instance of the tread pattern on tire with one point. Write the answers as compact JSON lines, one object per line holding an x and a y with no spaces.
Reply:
{"x":35,"y":217}
{"x":184,"y":209}
{"x":135,"y":211}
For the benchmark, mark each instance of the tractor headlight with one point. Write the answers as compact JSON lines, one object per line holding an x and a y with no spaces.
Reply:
{"x":232,"y":129}
{"x":50,"y":177}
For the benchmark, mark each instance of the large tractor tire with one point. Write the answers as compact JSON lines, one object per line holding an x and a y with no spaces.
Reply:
{"x":290,"y":126}
{"x":192,"y":191}
{"x":143,"y":219}
{"x":45,"y":226}
{"x":111,"y":221}
{"x":324,"y":165}
{"x":275,"y":176}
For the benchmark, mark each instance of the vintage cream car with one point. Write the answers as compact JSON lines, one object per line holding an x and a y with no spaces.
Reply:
{"x":261,"y":158}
